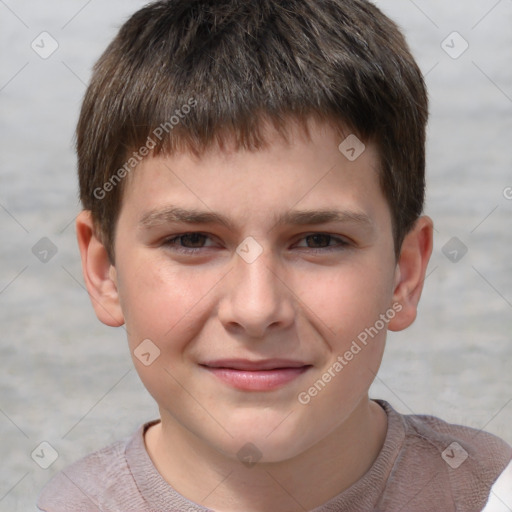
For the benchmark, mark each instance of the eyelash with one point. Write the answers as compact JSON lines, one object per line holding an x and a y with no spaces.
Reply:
{"x":340,"y":243}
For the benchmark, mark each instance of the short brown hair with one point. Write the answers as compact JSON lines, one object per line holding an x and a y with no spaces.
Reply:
{"x":221,"y":67}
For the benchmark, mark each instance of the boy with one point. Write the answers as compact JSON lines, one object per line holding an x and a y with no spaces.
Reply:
{"x":252,"y":176}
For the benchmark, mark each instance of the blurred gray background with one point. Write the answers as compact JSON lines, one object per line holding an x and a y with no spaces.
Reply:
{"x":67,"y":380}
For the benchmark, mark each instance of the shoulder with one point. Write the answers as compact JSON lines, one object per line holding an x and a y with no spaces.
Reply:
{"x":461,"y":463}
{"x":457,"y":443}
{"x":91,"y":482}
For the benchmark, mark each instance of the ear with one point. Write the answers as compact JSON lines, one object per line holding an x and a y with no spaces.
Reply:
{"x":99,"y":272}
{"x":410,"y":272}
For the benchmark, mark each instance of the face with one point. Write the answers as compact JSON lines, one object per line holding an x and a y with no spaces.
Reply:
{"x":264,"y":283}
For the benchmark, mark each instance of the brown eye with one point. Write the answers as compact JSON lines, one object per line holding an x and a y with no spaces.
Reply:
{"x":193,"y":240}
{"x":322,"y":243}
{"x":318,"y":240}
{"x":189,"y":243}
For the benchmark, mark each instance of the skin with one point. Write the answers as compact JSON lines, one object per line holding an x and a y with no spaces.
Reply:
{"x":302,"y":298}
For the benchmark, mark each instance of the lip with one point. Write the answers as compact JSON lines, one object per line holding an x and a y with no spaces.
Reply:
{"x":262,"y":375}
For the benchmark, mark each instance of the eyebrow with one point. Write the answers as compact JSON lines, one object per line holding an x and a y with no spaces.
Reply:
{"x":174,"y":214}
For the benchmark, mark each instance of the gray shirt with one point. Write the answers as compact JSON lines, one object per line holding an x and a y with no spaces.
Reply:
{"x":425,"y":465}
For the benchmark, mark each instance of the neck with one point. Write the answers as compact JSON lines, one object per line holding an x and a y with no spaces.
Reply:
{"x":205,"y":476}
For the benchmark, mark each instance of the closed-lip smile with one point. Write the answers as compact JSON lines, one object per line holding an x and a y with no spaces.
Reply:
{"x":256,"y":375}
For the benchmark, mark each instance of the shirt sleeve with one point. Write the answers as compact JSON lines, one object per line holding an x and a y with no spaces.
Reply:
{"x":500,"y":497}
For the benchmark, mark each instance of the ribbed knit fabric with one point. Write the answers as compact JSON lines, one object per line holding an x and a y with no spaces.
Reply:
{"x":410,"y":474}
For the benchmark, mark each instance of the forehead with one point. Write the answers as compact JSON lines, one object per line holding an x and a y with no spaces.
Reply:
{"x":320,"y":167}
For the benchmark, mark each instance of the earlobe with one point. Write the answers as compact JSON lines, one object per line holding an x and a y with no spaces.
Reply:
{"x":410,"y":273}
{"x":99,"y":273}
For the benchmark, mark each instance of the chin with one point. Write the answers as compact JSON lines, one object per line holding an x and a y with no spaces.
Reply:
{"x":267,"y":441}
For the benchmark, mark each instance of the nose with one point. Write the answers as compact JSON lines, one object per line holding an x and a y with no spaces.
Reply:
{"x":256,"y":297}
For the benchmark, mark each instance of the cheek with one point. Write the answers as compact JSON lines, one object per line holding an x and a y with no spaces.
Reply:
{"x":165,"y":310}
{"x":343,"y":302}
{"x":163,"y":303}
{"x":349,"y":304}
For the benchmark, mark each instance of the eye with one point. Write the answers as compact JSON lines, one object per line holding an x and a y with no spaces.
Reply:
{"x":188,"y":242}
{"x":322,"y":242}
{"x":195,"y":242}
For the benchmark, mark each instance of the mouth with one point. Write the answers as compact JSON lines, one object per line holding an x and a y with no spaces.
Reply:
{"x":263,"y":375}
